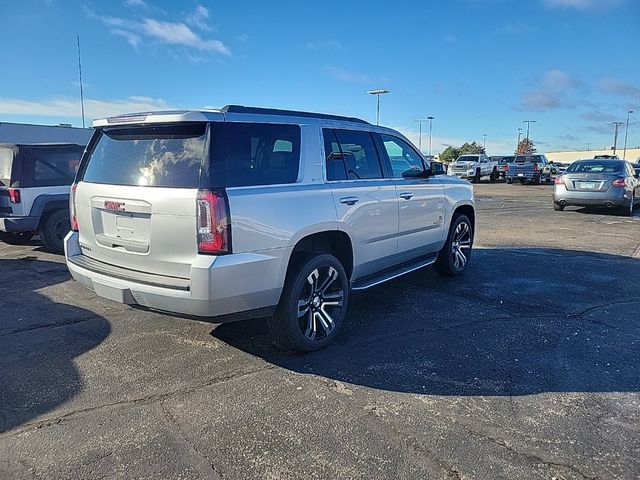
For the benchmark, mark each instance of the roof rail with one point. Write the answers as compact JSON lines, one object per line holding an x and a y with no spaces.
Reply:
{"x":288,"y":113}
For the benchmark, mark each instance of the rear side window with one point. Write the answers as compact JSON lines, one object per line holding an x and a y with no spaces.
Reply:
{"x":158,"y":156}
{"x":257,"y":154}
{"x":357,"y":153}
{"x":50,"y":166}
{"x":6,"y":161}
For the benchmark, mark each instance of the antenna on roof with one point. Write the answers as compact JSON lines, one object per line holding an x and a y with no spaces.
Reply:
{"x":80,"y":71}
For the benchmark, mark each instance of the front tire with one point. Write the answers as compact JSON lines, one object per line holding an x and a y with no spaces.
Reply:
{"x":456,"y":252}
{"x":313,"y":304}
{"x":55,"y":228}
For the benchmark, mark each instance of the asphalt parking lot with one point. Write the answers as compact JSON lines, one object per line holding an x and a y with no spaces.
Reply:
{"x":528,"y":366}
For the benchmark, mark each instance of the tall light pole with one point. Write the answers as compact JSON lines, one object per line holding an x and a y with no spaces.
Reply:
{"x":616,"y":125}
{"x":377,"y":92}
{"x":420,"y":120}
{"x":626,"y":132}
{"x":588,"y":146}
{"x":484,"y":142}
{"x":528,"y":122}
{"x":518,"y":142}
{"x":430,"y":118}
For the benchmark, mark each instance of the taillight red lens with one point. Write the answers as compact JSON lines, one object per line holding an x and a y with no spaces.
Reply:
{"x":536,"y":167}
{"x":14,"y":195}
{"x":72,"y":208}
{"x":213,"y":223}
{"x":618,"y":183}
{"x":559,"y":180}
{"x":506,"y":167}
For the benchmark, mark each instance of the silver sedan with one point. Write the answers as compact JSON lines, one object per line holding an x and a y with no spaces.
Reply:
{"x":598,"y":183}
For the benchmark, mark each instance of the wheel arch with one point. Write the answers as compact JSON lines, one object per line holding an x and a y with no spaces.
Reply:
{"x":335,"y":242}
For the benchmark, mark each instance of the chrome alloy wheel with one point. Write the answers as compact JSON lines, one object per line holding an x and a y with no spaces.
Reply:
{"x":320,"y":303}
{"x":460,"y":245}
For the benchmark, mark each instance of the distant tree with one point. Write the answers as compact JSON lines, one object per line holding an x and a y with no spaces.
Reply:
{"x":526,"y":147}
{"x":451,"y":153}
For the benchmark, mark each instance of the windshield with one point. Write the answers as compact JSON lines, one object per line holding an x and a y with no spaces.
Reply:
{"x":468,"y":158}
{"x":6,"y":160}
{"x":162,"y":156}
{"x":595,"y":167}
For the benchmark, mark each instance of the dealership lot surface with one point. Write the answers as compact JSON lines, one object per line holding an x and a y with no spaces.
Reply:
{"x":528,"y":366}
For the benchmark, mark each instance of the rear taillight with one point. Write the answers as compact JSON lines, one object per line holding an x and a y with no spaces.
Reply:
{"x":619,"y":183}
{"x":72,"y":208}
{"x":14,"y":195}
{"x":214,"y":229}
{"x":506,"y":167}
{"x":559,"y":180}
{"x":536,"y":167}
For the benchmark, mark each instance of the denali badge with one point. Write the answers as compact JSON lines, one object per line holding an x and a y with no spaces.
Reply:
{"x":113,"y":205}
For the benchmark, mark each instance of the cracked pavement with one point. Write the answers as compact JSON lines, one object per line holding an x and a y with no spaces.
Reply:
{"x":528,"y":366}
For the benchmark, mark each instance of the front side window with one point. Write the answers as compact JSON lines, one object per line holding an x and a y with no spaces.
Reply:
{"x":405,"y":161}
{"x":257,"y":154}
{"x":159,"y":156}
{"x":359,"y":155}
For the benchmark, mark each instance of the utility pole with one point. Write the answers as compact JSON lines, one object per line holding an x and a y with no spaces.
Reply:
{"x":615,"y":134}
{"x":626,"y":132}
{"x":588,"y":147}
{"x":518,"y":142}
{"x":430,"y":118}
{"x":377,"y":93}
{"x":420,"y":120}
{"x":484,"y":142}
{"x":528,"y":122}
{"x":80,"y":72}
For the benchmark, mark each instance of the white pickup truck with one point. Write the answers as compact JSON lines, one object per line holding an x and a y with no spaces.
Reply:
{"x":474,"y":167}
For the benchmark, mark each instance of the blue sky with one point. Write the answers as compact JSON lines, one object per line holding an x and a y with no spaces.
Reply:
{"x":478,"y":66}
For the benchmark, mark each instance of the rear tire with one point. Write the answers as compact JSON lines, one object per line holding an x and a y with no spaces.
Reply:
{"x":494,"y":175}
{"x":313,"y":304}
{"x":16,"y":238}
{"x":557,"y":207}
{"x":456,"y":252}
{"x":54,"y":229}
{"x":509,"y":180}
{"x":476,"y":178}
{"x":627,"y":211}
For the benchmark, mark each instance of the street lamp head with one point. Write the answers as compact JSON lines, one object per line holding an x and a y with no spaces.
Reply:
{"x":378,"y":91}
{"x":430,"y":118}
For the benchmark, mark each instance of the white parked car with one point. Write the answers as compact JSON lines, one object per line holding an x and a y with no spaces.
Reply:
{"x":474,"y":167}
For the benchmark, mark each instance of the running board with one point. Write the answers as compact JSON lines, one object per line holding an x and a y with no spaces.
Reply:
{"x":394,"y":272}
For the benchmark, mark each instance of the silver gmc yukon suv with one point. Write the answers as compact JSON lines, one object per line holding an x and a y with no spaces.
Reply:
{"x":250,"y":212}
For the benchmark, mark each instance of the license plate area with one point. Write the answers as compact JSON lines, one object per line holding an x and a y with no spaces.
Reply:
{"x":588,"y":185}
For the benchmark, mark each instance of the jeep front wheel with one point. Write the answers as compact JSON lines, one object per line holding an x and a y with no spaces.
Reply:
{"x":313,"y":304}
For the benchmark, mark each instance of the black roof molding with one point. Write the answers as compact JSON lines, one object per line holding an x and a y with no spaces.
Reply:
{"x":288,"y":113}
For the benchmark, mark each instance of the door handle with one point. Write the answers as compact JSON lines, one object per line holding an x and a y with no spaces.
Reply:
{"x":406,"y":195}
{"x":349,"y":200}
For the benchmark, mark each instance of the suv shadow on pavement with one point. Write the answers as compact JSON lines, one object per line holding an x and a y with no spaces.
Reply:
{"x":519,"y":322}
{"x":39,"y":340}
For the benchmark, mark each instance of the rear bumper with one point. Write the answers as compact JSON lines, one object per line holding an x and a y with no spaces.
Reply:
{"x":614,"y":197}
{"x":217,"y":286}
{"x":529,"y":177}
{"x":19,"y":224}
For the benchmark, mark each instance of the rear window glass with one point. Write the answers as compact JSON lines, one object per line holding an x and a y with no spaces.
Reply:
{"x":6,"y":160}
{"x":257,"y":154}
{"x":159,"y":156}
{"x":595,"y":167}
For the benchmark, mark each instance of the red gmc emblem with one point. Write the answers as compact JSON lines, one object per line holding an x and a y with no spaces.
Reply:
{"x":113,"y":205}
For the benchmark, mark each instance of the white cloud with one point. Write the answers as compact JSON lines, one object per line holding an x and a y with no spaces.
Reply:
{"x":582,"y":4}
{"x":347,"y":76}
{"x":619,"y":87}
{"x":136,"y":32}
{"x":199,"y":18}
{"x":552,"y":92}
{"x":135,"y":3}
{"x":70,"y":107}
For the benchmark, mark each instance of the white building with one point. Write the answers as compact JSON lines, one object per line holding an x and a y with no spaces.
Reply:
{"x":24,"y":133}
{"x":632,"y":155}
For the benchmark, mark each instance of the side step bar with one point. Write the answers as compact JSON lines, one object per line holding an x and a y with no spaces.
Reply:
{"x":394,"y":272}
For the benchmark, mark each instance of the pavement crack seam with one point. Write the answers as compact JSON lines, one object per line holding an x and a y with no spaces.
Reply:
{"x":171,"y":419}
{"x":529,"y":456}
{"x":49,"y":325}
{"x":150,"y":399}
